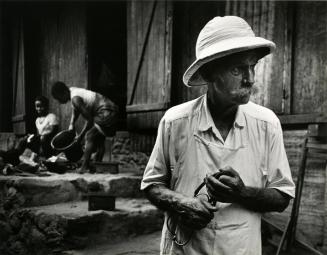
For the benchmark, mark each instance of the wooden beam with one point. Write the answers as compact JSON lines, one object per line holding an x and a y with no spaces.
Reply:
{"x":317,"y":130}
{"x":145,"y":42}
{"x":317,"y":146}
{"x":317,"y":155}
{"x":18,"y":118}
{"x":147,"y":107}
{"x":303,"y":118}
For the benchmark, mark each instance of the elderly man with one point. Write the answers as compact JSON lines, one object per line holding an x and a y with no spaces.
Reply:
{"x":221,"y":141}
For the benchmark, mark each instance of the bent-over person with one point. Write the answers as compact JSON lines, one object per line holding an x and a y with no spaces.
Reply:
{"x":99,"y":112}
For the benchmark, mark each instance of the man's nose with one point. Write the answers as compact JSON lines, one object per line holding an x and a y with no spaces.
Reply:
{"x":249,"y":75}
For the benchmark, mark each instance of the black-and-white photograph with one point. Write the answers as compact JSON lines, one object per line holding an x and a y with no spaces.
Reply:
{"x":168,"y":127}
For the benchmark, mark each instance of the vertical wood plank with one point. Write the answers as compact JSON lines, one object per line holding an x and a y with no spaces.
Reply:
{"x":228,"y":6}
{"x":19,"y":96}
{"x":154,"y":82}
{"x":168,"y":50}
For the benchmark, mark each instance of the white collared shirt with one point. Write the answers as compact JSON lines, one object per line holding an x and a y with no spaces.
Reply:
{"x":44,"y":123}
{"x":189,"y":146}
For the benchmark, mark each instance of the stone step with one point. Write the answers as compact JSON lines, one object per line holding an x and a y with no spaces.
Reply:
{"x":139,"y":245}
{"x":67,"y":226}
{"x":59,"y":188}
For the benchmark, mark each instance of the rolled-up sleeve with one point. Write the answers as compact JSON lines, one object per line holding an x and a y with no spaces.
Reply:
{"x":279,"y":173}
{"x":156,"y":171}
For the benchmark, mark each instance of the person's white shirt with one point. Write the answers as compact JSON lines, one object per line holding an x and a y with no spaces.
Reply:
{"x":44,"y":123}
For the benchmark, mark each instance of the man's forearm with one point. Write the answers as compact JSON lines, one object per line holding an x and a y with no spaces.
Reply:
{"x":73,"y":118}
{"x":263,"y":199}
{"x":192,"y":212}
{"x":165,"y":199}
{"x":86,"y":127}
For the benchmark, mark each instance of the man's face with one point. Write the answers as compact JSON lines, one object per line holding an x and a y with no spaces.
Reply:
{"x":40,"y":108}
{"x":232,"y":79}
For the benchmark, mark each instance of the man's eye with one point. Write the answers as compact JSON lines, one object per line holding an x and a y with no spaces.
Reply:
{"x":236,"y":71}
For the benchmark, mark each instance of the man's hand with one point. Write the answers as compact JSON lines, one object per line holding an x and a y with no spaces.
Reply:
{"x":195,"y":213}
{"x":227,"y":188}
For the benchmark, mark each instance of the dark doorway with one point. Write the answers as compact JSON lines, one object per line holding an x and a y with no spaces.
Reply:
{"x":107,"y":58}
{"x":19,"y":83}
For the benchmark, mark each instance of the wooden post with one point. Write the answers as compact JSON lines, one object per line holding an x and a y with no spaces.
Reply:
{"x":297,"y":200}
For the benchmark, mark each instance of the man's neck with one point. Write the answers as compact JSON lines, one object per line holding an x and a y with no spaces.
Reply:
{"x":221,"y":111}
{"x":223,"y":115}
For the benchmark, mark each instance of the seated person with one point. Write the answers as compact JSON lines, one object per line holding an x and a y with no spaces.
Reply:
{"x":47,"y":127}
{"x":40,"y":143}
{"x":99,"y":112}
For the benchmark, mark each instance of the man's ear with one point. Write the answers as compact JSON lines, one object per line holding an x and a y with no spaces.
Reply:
{"x":209,"y":70}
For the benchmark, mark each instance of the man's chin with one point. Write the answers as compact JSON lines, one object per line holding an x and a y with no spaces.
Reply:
{"x":242,"y":96}
{"x":242,"y":99}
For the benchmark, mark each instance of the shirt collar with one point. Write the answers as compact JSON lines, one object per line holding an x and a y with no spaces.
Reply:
{"x":206,"y":122}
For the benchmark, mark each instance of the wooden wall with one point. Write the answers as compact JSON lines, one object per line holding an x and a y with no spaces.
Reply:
{"x":63,"y":52}
{"x":149,"y":37}
{"x":310,"y":58}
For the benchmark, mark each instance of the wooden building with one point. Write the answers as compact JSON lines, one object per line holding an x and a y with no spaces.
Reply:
{"x":136,"y":52}
{"x":82,"y":44}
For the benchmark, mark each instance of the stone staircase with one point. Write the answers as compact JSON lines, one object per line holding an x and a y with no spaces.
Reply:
{"x":46,"y":215}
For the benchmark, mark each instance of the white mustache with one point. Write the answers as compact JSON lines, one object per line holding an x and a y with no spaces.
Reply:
{"x":246,"y":90}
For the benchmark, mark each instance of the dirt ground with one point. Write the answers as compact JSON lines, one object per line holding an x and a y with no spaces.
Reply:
{"x":149,"y":244}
